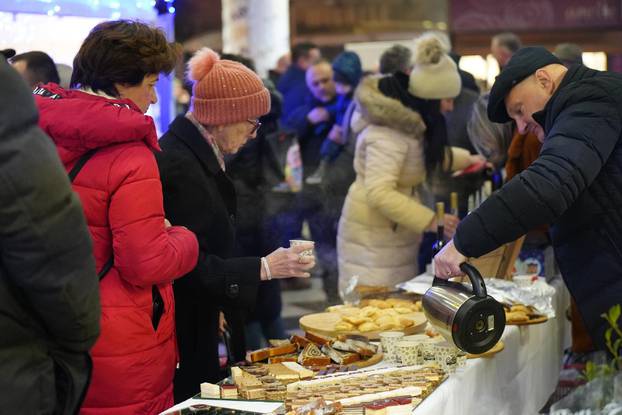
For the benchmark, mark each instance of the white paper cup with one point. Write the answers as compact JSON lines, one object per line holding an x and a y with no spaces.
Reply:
{"x":389,"y":340}
{"x":421,"y":339}
{"x":408,"y":351}
{"x":298,"y":242}
{"x":446,"y":356}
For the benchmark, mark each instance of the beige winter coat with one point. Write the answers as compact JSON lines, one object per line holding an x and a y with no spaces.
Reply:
{"x":382,"y":218}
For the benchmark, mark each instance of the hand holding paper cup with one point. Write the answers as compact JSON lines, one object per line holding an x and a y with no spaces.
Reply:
{"x":291,"y":262}
{"x":309,"y":246}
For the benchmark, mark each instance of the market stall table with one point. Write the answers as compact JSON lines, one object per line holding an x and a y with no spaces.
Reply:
{"x":518,"y":380}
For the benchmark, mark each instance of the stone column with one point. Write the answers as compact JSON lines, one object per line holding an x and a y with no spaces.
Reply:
{"x":258,"y":29}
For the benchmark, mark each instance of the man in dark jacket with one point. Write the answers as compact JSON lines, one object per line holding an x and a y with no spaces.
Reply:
{"x":312,"y":123}
{"x":49,"y":294}
{"x":292,"y":83}
{"x":575,"y":184}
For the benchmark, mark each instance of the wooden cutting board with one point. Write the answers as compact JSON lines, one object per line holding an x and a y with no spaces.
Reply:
{"x":324,"y":324}
{"x":535,"y":320}
{"x":495,"y":349}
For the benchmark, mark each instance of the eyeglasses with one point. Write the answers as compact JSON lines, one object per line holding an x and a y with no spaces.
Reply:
{"x":256,"y":124}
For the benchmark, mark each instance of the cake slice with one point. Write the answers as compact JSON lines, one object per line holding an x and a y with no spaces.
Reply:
{"x":281,"y":350}
{"x":362,"y":345}
{"x":317,"y":339}
{"x":341,"y":358}
{"x":285,"y":358}
{"x":303,"y":373}
{"x":312,"y":356}
{"x":229,"y":392}
{"x":279,"y":342}
{"x":209,"y":390}
{"x":299,"y":341}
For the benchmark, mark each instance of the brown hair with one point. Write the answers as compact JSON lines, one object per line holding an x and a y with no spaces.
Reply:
{"x":123,"y":52}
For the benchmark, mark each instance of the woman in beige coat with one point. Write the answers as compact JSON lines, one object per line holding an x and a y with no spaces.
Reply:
{"x":402,"y":138}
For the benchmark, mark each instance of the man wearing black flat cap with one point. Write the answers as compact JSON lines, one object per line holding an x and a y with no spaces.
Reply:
{"x":575,"y":184}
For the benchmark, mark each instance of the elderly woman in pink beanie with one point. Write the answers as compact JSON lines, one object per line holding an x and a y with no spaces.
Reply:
{"x":227,"y":99}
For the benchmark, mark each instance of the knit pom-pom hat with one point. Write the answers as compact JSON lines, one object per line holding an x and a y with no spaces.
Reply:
{"x":435,"y":75}
{"x":224,"y":91}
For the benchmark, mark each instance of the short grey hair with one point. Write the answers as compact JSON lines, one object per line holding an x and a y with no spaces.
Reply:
{"x":509,"y":40}
{"x":397,"y":58}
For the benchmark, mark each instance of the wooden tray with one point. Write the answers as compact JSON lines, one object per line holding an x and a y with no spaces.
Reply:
{"x":537,"y":320}
{"x":495,"y":349}
{"x":324,"y":324}
{"x":377,"y":358}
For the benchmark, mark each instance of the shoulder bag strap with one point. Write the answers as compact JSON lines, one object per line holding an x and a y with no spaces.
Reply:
{"x":72,"y":175}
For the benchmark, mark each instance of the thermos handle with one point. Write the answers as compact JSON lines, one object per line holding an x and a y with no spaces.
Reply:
{"x":479,"y":288}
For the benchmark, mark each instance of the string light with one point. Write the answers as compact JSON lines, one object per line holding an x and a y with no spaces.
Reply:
{"x":165,"y":6}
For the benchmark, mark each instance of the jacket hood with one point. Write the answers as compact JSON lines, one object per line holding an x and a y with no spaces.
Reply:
{"x":376,"y":108}
{"x":78,"y":121}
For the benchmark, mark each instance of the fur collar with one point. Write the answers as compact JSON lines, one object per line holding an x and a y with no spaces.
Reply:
{"x":379,"y":109}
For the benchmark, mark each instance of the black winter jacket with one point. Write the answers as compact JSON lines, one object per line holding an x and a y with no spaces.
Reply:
{"x":575,"y":185}
{"x":49,"y":294}
{"x":200,"y":196}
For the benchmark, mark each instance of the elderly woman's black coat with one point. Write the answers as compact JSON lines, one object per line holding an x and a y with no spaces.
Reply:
{"x":200,"y":196}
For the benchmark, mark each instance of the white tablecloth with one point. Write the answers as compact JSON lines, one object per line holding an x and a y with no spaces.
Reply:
{"x":518,"y":380}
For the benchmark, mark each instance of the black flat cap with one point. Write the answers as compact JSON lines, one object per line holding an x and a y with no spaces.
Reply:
{"x":7,"y":53}
{"x":523,"y":63}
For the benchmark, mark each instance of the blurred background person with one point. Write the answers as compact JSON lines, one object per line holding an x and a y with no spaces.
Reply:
{"x":292,"y":84}
{"x":227,"y":100}
{"x":569,"y":53}
{"x":312,"y":123}
{"x":489,"y":139}
{"x":347,"y":72}
{"x":397,"y":58}
{"x":49,"y":294}
{"x":281,"y":67}
{"x":503,"y":46}
{"x":405,"y":139}
{"x":102,"y":126}
{"x":64,"y":74}
{"x":36,"y":68}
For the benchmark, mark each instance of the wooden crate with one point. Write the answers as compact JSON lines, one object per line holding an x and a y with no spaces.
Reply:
{"x":500,"y":262}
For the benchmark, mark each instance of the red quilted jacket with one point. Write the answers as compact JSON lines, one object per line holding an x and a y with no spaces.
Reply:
{"x":121,"y":194}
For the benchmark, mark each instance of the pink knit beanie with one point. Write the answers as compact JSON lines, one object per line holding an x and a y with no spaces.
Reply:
{"x":224,"y":91}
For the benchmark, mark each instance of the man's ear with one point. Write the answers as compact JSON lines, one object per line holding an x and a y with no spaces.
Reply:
{"x":545,"y":80}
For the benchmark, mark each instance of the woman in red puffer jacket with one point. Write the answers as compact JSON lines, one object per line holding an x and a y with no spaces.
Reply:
{"x":115,"y":70}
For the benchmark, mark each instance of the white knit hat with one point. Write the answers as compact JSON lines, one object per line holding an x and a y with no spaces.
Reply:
{"x":435,"y":75}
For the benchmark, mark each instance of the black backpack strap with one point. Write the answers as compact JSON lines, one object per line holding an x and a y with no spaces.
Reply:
{"x":107,"y":266}
{"x":80,"y":163}
{"x":72,"y":175}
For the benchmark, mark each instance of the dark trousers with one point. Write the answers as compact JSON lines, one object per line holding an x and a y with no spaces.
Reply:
{"x":330,"y":150}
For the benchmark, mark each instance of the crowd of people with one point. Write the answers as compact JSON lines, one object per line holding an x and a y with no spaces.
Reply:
{"x":103,"y":216}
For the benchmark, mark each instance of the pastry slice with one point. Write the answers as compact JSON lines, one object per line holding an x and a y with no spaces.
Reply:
{"x":362,"y":345}
{"x":279,"y":342}
{"x":312,"y":356}
{"x":341,"y":358}
{"x":317,"y":339}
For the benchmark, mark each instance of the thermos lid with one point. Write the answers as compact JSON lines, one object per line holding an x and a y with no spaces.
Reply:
{"x":478,"y":325}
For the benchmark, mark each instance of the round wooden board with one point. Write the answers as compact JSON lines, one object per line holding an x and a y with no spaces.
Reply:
{"x":324,"y":324}
{"x":537,"y":320}
{"x":377,"y":358}
{"x":495,"y":349}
